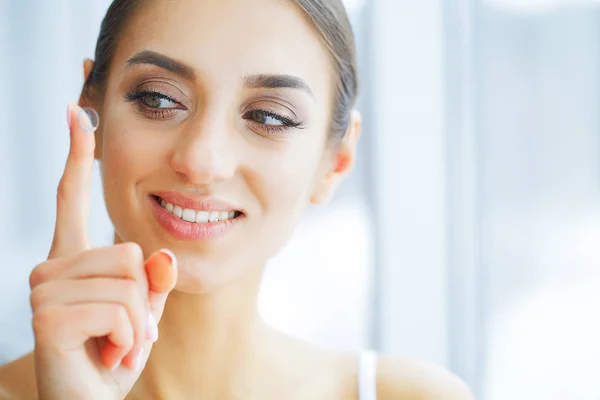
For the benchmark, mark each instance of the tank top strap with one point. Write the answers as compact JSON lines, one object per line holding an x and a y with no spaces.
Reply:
{"x":367,"y":375}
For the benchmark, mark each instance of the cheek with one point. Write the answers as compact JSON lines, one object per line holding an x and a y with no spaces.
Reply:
{"x":128,"y":158}
{"x":125,"y":153}
{"x":130,"y":148}
{"x":282,"y":180}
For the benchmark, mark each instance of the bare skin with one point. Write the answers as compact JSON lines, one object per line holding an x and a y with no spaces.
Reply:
{"x":212,"y":344}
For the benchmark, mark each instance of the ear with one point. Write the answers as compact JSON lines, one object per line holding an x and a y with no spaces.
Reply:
{"x":88,"y":65}
{"x":341,"y":164}
{"x":85,"y":101}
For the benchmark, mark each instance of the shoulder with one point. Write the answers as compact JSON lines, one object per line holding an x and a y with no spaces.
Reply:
{"x":17,"y":379}
{"x":399,"y":378}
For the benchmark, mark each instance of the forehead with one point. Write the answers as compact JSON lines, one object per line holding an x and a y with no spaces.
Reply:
{"x":228,"y":39}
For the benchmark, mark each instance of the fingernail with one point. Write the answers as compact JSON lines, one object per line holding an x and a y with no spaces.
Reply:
{"x":115,"y":366}
{"x":152,"y":330}
{"x":88,"y":119}
{"x":69,"y":115}
{"x":171,"y":256}
{"x":138,"y":360}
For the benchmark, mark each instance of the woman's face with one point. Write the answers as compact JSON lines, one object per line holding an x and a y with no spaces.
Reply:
{"x":215,"y":106}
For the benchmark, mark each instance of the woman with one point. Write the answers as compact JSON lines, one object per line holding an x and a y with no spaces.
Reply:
{"x":220,"y":121}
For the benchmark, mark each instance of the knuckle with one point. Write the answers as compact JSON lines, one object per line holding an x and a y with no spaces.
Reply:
{"x":38,"y":275}
{"x":37,"y":297}
{"x":63,"y":189}
{"x":35,"y":277}
{"x":119,"y":315}
{"x":128,"y":337}
{"x":131,"y":292}
{"x":78,"y":313}
{"x":135,"y":304}
{"x":131,"y":254}
{"x":42,"y":320}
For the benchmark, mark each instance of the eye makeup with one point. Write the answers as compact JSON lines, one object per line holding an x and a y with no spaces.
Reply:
{"x":160,"y":99}
{"x":154,"y":104}
{"x":266,"y":119}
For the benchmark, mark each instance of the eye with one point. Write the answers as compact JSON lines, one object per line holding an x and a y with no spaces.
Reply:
{"x":156,"y":100}
{"x":270,"y":119}
{"x":266,"y":118}
{"x":153,"y":104}
{"x":270,"y":123}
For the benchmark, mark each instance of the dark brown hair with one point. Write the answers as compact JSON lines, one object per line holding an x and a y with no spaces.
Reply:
{"x":328,"y":16}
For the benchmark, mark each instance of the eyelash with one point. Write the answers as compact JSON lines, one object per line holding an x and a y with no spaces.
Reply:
{"x":286,"y":123}
{"x":137,"y":97}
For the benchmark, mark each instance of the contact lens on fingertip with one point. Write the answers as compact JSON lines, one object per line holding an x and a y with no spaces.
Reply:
{"x":88,"y":118}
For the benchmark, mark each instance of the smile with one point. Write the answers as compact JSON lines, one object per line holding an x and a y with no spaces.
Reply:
{"x":197,"y":216}
{"x":190,"y":219}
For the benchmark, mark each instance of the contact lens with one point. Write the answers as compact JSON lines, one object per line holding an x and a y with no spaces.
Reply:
{"x":92,"y":121}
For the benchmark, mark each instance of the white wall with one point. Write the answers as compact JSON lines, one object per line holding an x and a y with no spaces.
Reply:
{"x":409,"y":164}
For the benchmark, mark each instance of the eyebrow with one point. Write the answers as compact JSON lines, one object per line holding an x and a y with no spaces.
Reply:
{"x":259,"y":81}
{"x":164,"y":62}
{"x":277,"y":82}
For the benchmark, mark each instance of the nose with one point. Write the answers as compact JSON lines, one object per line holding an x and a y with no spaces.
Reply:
{"x":205,"y":154}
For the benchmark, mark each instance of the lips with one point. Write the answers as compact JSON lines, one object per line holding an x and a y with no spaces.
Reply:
{"x":189,"y":218}
{"x":196,"y":216}
{"x":197,"y":204}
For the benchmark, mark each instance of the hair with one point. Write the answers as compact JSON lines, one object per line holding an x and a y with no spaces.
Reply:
{"x":328,"y":16}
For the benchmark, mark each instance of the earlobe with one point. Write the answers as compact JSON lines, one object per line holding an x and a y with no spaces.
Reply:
{"x":342,"y":164}
{"x":346,"y":155}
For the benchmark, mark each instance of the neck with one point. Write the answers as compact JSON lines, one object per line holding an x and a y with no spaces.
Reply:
{"x":208,"y":343}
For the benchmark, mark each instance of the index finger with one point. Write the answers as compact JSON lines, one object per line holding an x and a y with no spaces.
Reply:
{"x":73,"y":194}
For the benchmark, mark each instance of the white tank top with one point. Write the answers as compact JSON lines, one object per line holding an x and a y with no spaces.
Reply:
{"x":367,"y":376}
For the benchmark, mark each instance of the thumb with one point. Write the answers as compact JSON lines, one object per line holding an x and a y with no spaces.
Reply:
{"x":161,"y":270}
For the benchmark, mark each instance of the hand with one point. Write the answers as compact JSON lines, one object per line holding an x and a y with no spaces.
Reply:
{"x":94,"y":310}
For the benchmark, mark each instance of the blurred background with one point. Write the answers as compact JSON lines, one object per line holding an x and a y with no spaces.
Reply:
{"x":469,"y":233}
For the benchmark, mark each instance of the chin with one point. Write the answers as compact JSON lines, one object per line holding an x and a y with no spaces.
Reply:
{"x":200,"y":275}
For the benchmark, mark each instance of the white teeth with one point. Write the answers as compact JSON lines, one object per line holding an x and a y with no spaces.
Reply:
{"x":189,"y":215}
{"x":200,"y":217}
{"x":178,"y":212}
